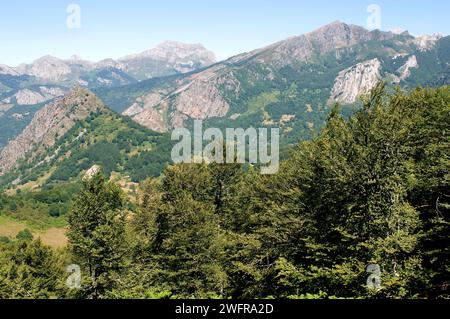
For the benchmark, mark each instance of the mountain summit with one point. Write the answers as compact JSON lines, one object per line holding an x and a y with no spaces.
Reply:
{"x":168,"y":57}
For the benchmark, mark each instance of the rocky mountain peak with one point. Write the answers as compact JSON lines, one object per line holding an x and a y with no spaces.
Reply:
{"x":47,"y":67}
{"x":168,"y":58}
{"x":331,"y":37}
{"x":338,"y":35}
{"x":175,"y":51}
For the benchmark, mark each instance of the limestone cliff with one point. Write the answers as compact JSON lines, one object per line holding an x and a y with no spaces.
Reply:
{"x":355,"y":81}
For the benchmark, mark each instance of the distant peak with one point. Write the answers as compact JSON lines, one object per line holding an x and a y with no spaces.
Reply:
{"x":337,"y":28}
{"x":172,"y":49}
{"x":170,"y":44}
{"x":47,"y":58}
{"x":398,"y":31}
{"x":76,"y":58}
{"x":333,"y":25}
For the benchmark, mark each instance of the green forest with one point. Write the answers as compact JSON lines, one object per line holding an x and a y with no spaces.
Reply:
{"x":371,"y":189}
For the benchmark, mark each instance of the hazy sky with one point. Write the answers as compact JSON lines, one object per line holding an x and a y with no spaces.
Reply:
{"x":113,"y":28}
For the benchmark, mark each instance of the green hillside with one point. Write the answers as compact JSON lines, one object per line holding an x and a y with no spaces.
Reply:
{"x":113,"y":142}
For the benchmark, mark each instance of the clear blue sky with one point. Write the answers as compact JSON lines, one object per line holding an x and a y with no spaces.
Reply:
{"x":113,"y":28}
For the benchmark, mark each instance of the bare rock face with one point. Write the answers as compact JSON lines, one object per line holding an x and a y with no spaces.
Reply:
{"x":178,"y":119}
{"x":91,"y":172}
{"x":201,"y":100}
{"x":153,"y":119}
{"x":148,"y":112}
{"x":427,"y":42}
{"x":48,"y":125}
{"x":405,"y":71}
{"x":5,"y":107}
{"x":109,"y":63}
{"x":353,"y":82}
{"x":28,"y":97}
{"x":143,"y":103}
{"x":196,"y":97}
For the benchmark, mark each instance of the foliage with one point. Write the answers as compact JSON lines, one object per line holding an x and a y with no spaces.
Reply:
{"x":29,"y":270}
{"x":97,"y":234}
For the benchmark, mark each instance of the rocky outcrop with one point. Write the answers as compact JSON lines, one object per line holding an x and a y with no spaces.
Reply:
{"x":427,"y":42}
{"x":355,"y":81}
{"x":201,"y":100}
{"x":5,"y":107}
{"x":28,"y":97}
{"x":109,"y":63}
{"x":197,"y":97}
{"x":92,"y":172}
{"x":405,"y":71}
{"x":145,"y":112}
{"x":48,"y":125}
{"x":153,"y":119}
{"x":143,"y":103}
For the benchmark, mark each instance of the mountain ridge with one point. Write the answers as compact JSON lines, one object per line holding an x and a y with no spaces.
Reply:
{"x":53,"y":69}
{"x":323,"y":53}
{"x":49,"y":123}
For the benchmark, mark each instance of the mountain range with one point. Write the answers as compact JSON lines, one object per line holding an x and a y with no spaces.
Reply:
{"x":26,"y":88}
{"x":286,"y":80}
{"x":46,"y":125}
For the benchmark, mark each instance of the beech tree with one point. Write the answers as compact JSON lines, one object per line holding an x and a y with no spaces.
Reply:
{"x":97,"y":235}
